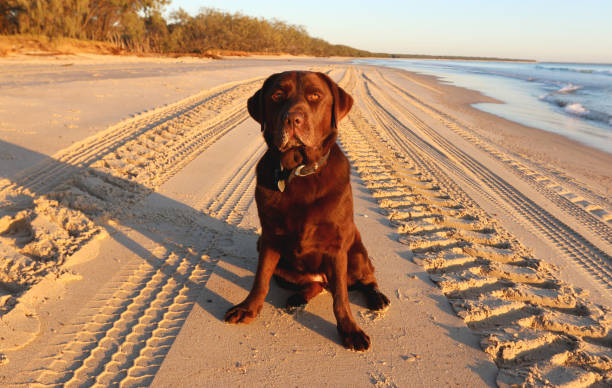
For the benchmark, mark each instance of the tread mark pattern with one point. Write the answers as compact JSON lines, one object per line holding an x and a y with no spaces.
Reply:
{"x":539,"y":330}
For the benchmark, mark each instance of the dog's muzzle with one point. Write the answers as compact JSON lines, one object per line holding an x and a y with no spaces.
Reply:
{"x":294,"y":132}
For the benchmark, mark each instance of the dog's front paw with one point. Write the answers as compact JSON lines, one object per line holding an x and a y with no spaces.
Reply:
{"x":355,"y":339}
{"x":240,"y":314}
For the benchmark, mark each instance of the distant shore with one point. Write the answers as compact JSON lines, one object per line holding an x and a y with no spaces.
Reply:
{"x":458,"y":58}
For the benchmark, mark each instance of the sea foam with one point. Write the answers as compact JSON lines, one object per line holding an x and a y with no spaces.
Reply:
{"x":576,"y":109}
{"x":570,"y":88}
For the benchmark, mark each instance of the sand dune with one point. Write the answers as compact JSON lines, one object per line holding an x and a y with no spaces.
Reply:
{"x":120,"y":253}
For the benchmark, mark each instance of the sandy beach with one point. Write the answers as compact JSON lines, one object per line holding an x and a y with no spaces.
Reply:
{"x":128,"y":227}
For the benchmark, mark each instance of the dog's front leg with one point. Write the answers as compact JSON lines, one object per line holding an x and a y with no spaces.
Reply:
{"x":352,"y":336}
{"x":248,"y":310}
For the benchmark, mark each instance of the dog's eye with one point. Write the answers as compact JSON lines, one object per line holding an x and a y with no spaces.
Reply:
{"x":314,"y":97}
{"x":278,"y":96}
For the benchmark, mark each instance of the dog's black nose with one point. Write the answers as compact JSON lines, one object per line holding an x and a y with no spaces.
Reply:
{"x":294,"y":119}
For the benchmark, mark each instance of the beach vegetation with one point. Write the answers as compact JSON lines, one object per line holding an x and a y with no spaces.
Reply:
{"x":139,"y":26}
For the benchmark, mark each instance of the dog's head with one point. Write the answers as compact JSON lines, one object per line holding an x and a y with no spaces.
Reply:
{"x":299,"y":112}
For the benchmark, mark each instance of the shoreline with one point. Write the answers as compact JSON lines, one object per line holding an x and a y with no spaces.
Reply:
{"x":587,"y":130}
{"x":547,"y":147}
{"x":467,"y":59}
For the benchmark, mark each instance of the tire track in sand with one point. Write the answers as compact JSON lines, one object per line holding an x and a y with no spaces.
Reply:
{"x":572,"y":244}
{"x":127,"y":331}
{"x":168,"y":126}
{"x":122,"y":336}
{"x":235,"y":193}
{"x":539,"y":330}
{"x":104,"y":175}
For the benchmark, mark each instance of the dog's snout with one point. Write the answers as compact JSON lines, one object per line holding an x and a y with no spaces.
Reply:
{"x":294,"y":119}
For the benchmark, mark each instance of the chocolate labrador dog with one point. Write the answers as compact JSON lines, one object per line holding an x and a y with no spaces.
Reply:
{"x":305,"y":204}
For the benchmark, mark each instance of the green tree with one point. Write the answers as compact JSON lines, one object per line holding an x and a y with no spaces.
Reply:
{"x":138,"y":25}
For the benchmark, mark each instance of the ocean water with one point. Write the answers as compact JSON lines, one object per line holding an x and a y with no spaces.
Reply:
{"x":570,"y":99}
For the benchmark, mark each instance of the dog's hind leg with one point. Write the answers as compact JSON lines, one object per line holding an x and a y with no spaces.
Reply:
{"x":375,"y":299}
{"x":362,"y":271}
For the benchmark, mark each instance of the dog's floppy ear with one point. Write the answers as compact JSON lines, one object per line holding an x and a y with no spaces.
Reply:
{"x":342,"y":102}
{"x":256,"y":104}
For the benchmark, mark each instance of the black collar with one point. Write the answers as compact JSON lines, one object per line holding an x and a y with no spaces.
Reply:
{"x":282,"y":177}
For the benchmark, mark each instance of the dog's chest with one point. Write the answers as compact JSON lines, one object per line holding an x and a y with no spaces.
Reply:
{"x":302,"y":231}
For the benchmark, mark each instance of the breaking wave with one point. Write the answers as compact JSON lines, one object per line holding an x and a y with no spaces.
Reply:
{"x":577,"y":109}
{"x":569,"y":89}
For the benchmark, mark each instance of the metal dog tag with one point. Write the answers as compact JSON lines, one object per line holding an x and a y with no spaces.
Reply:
{"x":281,"y":185}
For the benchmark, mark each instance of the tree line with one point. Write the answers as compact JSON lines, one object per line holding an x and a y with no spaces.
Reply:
{"x":139,"y":26}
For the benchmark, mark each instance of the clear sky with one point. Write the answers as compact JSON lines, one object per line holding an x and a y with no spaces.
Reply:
{"x":561,"y":30}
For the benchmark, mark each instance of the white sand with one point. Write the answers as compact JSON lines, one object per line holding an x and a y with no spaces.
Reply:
{"x":124,"y":240}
